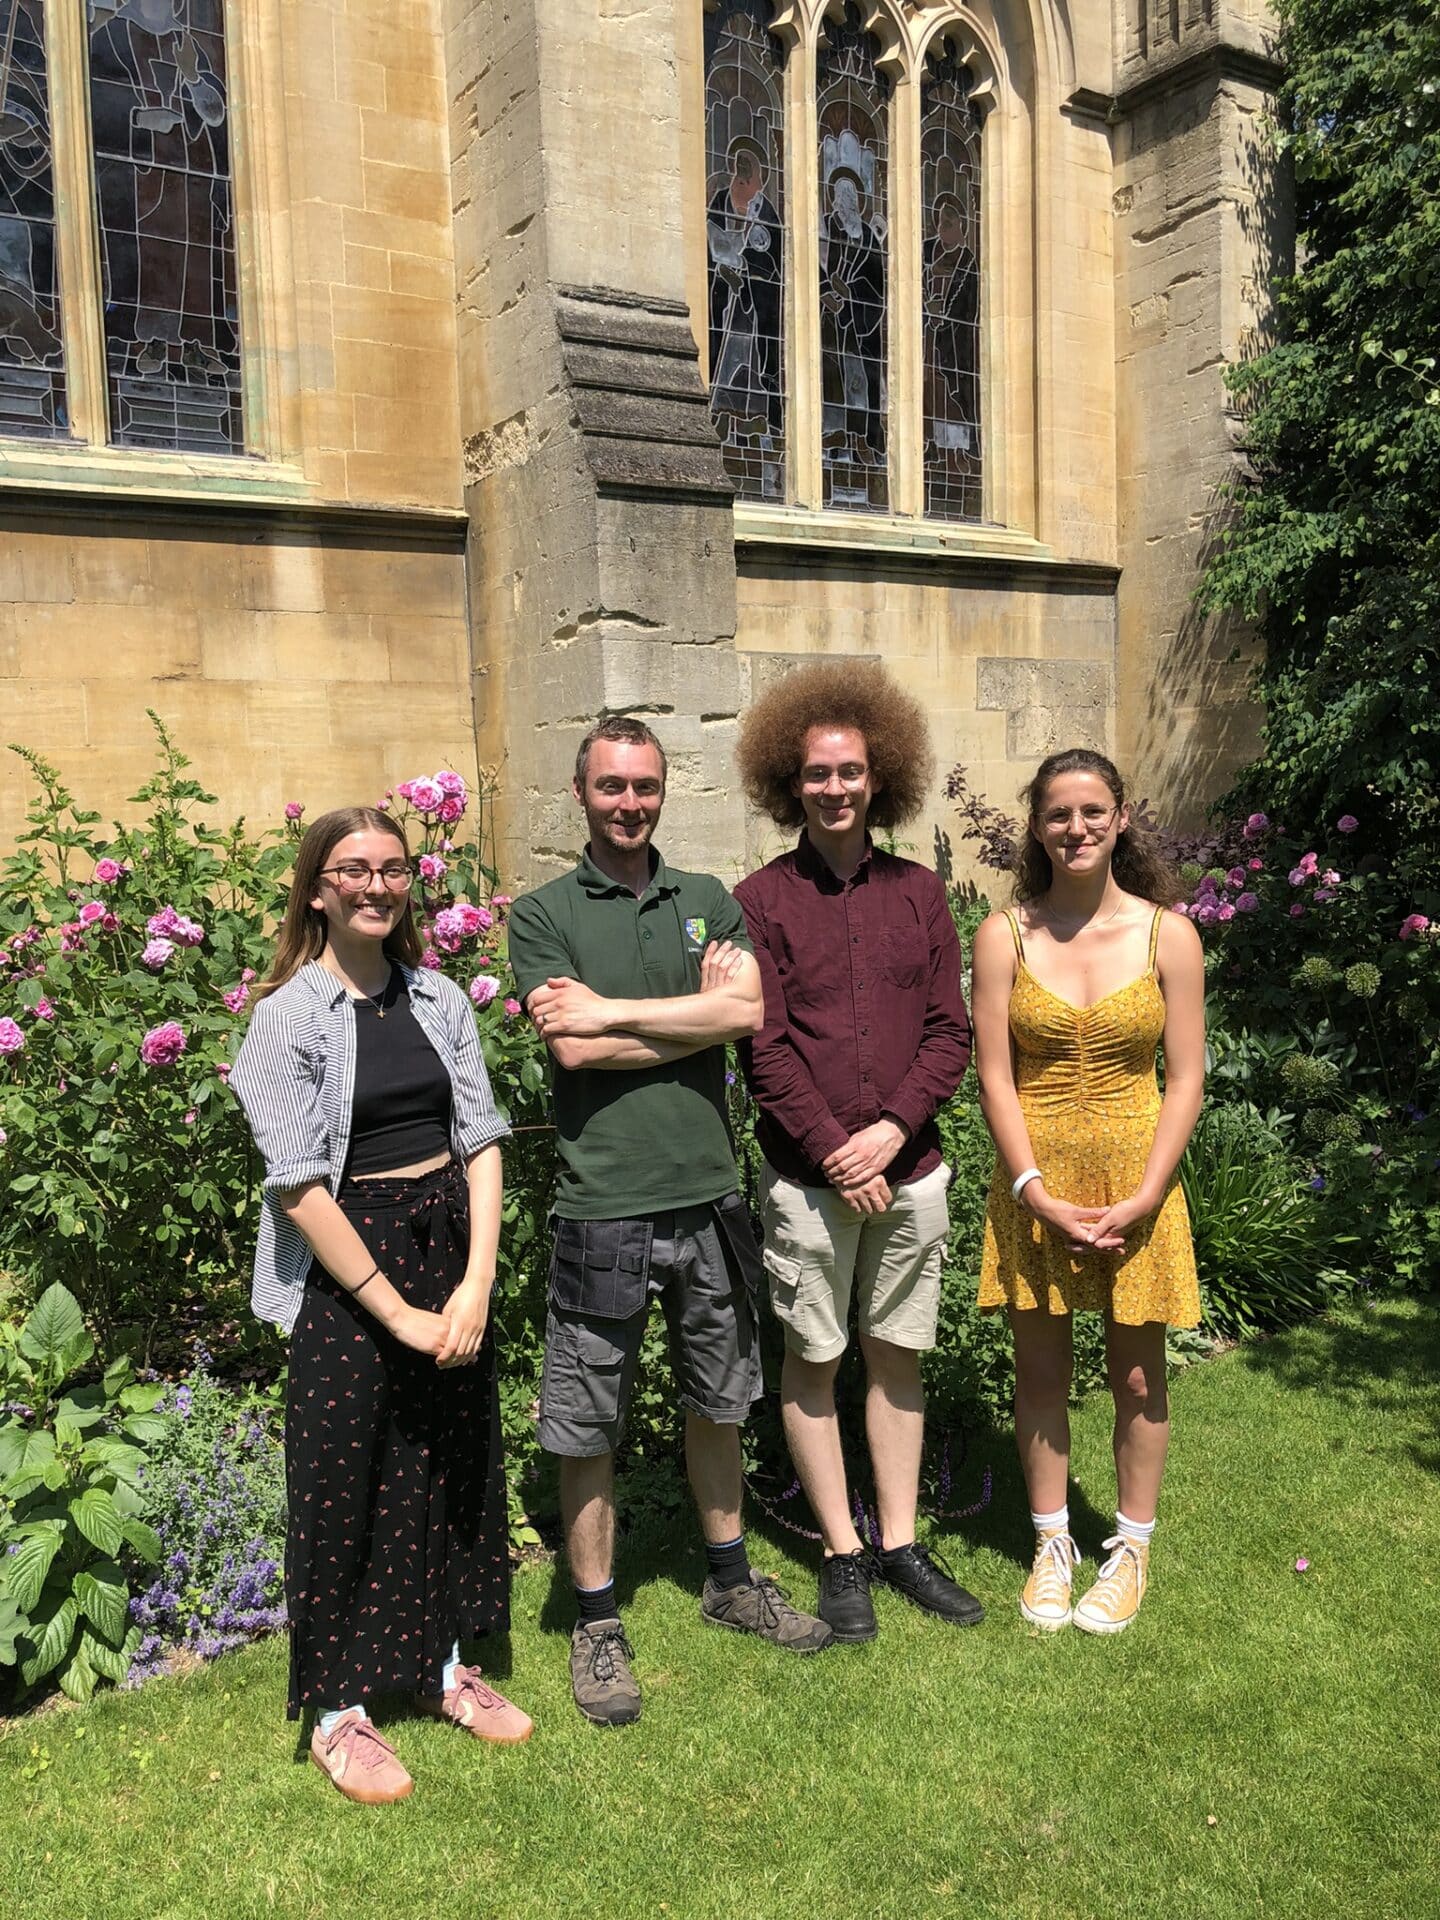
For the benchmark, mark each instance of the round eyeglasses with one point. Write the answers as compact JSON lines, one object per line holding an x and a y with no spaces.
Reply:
{"x":354,"y":876}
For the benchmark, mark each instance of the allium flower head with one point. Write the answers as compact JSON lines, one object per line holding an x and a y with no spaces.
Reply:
{"x":163,"y":1045}
{"x":12,"y":1040}
{"x":1363,"y":980}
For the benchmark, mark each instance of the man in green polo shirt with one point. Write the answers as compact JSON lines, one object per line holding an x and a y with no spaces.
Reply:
{"x":636,"y":975}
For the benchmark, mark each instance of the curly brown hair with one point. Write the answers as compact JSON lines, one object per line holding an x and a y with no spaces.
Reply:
{"x":1137,"y":863}
{"x":835,"y":693}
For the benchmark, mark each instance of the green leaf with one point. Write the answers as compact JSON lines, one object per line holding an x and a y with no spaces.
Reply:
{"x":104,"y":1599}
{"x":77,"y":1682}
{"x":144,"y":1427}
{"x":95,"y":1515}
{"x":142,"y":1399}
{"x":14,"y":1623}
{"x":53,"y":1643}
{"x":22,"y":1451}
{"x":84,"y":1408}
{"x":117,"y":1375}
{"x":111,"y":1663}
{"x":27,"y":1567}
{"x":55,"y":1326}
{"x":142,"y":1540}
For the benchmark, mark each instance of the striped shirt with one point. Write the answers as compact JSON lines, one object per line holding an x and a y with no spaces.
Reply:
{"x":295,"y":1078}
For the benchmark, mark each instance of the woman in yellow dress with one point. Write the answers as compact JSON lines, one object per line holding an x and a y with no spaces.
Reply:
{"x":1074,"y":990}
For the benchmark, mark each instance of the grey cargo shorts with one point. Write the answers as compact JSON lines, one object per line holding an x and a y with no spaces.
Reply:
{"x":704,"y":1266}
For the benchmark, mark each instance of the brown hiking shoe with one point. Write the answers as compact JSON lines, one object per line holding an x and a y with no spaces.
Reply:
{"x":763,"y":1607}
{"x":360,"y":1761}
{"x":605,"y":1689}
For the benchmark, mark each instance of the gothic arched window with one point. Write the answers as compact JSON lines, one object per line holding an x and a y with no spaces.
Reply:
{"x":32,"y":358}
{"x":852,"y":99}
{"x":745,"y":237}
{"x":160,"y":111}
{"x":950,"y":287}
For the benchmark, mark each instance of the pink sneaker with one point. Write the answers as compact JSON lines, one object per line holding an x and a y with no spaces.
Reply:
{"x":476,"y":1707}
{"x":361,"y":1763}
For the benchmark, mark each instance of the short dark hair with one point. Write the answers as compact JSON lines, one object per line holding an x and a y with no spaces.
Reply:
{"x":625,"y":728}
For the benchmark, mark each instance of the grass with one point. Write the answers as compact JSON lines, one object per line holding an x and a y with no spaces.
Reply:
{"x":1262,"y":1742}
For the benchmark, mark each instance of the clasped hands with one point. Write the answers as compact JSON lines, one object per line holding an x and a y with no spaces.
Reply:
{"x":1085,"y":1229}
{"x":453,"y":1336}
{"x":857,"y":1170}
{"x":566,"y":1009}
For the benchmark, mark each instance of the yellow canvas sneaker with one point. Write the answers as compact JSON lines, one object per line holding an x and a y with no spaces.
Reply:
{"x":1114,"y":1600}
{"x":1045,"y":1598}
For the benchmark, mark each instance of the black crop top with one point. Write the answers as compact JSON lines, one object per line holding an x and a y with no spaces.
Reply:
{"x":401,"y":1112}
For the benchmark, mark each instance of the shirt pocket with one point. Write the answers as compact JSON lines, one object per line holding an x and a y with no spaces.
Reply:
{"x":904,"y":956}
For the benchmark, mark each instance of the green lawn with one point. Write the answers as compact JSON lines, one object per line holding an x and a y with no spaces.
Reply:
{"x":1262,"y":1742}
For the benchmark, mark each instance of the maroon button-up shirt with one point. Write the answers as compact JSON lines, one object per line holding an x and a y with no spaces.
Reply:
{"x":864,"y":1013}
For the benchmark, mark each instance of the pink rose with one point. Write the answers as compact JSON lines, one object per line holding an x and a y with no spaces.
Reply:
{"x":247,"y":974}
{"x":1257,"y":824}
{"x":12,"y":1040}
{"x":1329,"y":878}
{"x":1309,"y":862}
{"x":158,"y":926}
{"x":107,"y":872}
{"x":1323,"y":895}
{"x":1225,"y":912}
{"x":188,"y":932}
{"x":1413,"y":925}
{"x":1207,"y":913}
{"x":432,"y":868}
{"x":163,"y":1045}
{"x":1298,"y":876}
{"x":43,"y":1010}
{"x":1256,"y":866}
{"x":191,"y":1117}
{"x":222,"y":1072}
{"x":512,"y":1007}
{"x":483,"y":989}
{"x":237,"y":999}
{"x":1297,"y":912}
{"x":425,"y":796}
{"x":92,"y":911}
{"x":432,"y":960}
{"x":450,"y":809}
{"x":1206,"y":884}
{"x":71,"y":940}
{"x":294,"y":809}
{"x":156,"y":953}
{"x":403,"y":789}
{"x":1235,"y":877}
{"x":1247,"y":903}
{"x":499,"y":901}
{"x":1347,"y":823}
{"x":3,"y":1136}
{"x":452,"y":784}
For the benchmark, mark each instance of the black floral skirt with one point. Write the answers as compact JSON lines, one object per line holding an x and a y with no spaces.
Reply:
{"x":398,"y":1532}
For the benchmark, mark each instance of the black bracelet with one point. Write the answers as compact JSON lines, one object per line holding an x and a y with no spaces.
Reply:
{"x":354,"y":1291}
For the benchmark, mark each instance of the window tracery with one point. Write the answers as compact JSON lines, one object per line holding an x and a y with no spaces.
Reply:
{"x":32,"y":359}
{"x":745,"y":241}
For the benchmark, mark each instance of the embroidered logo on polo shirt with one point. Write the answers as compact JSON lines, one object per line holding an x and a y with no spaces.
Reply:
{"x":695,"y":930}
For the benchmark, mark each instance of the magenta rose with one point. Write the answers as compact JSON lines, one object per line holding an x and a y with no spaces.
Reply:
{"x":163,"y":1045}
{"x":43,"y":1009}
{"x":1235,"y":877}
{"x":1247,"y":902}
{"x":1347,"y":823}
{"x":426,"y":797}
{"x":1257,"y":824}
{"x":431,"y":960}
{"x":107,"y":872}
{"x":156,"y":953}
{"x":452,"y":783}
{"x":294,"y":809}
{"x":512,"y":1007}
{"x":1413,"y":925}
{"x":450,"y":809}
{"x":432,"y":868}
{"x":238,"y":998}
{"x":12,"y":1040}
{"x":483,"y":989}
{"x":72,"y":937}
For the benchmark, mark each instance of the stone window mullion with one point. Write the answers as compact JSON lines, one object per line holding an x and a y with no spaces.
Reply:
{"x":906,"y":346}
{"x":802,"y":313}
{"x":77,"y":230}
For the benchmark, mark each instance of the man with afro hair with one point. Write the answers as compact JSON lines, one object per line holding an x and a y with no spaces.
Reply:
{"x":865,"y":1036}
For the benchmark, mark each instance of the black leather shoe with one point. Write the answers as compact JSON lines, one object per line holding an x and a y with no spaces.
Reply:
{"x":922,"y":1576}
{"x":845,"y":1596}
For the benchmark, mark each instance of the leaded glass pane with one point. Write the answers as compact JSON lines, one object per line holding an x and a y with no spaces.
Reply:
{"x":745,"y":229}
{"x":32,"y":359}
{"x":853,"y":101}
{"x":159,"y":103}
{"x":950,"y":288}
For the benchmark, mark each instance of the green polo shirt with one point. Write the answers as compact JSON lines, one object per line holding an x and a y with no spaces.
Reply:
{"x":655,"y":1138}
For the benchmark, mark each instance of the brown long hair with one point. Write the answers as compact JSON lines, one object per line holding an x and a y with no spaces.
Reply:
{"x":302,"y":931}
{"x":1136,"y":863}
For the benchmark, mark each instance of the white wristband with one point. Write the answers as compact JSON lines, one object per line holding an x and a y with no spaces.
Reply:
{"x":1018,"y":1186}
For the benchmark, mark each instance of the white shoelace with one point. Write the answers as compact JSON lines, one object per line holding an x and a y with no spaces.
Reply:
{"x":1062,"y":1553}
{"x":1122,"y":1545}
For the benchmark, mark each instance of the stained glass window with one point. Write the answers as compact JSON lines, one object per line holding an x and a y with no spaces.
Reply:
{"x":950,"y":287}
{"x":160,"y":109}
{"x":745,"y":232}
{"x":32,"y":359}
{"x":852,"y":97}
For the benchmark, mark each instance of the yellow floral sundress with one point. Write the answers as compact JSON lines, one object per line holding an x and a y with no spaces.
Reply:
{"x":1087,"y":1087}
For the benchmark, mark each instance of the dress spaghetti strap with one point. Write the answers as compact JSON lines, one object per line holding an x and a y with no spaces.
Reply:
{"x":1155,"y":935}
{"x":1015,"y":935}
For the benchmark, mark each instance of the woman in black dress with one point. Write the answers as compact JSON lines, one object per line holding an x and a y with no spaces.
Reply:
{"x":362,"y":1081}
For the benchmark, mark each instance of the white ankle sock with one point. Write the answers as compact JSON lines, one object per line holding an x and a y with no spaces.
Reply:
{"x":332,"y":1714}
{"x":1057,"y":1522}
{"x":448,"y":1679}
{"x":1137,"y":1530}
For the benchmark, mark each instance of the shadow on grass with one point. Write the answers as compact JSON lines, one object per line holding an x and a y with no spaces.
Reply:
{"x":1382,"y":1356}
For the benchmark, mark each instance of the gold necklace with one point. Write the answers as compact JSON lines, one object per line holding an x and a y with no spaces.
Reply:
{"x":1079,"y":926}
